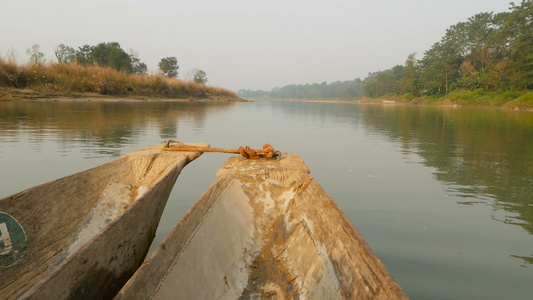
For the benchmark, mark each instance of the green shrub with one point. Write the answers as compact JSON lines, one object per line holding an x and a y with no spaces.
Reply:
{"x":524,"y":102}
{"x":408,"y":97}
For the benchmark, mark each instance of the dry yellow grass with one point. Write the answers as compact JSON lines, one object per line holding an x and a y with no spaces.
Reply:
{"x":74,"y":79}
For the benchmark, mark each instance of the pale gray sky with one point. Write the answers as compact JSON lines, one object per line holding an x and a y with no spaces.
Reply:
{"x":244,"y":43}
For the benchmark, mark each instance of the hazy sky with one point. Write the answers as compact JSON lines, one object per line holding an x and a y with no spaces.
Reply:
{"x":244,"y":43}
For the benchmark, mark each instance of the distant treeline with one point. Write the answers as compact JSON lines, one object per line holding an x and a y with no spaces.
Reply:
{"x":489,"y":52}
{"x":335,"y":90}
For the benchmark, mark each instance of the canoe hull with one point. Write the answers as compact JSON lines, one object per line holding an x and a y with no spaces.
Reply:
{"x":75,"y":253}
{"x":264,"y":229}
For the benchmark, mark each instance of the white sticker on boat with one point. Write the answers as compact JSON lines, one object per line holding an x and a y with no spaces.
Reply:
{"x":5,"y":238}
{"x":13,"y":240}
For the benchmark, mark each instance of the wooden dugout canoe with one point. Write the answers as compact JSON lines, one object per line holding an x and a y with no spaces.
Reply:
{"x":264,"y":229}
{"x":83,"y":236}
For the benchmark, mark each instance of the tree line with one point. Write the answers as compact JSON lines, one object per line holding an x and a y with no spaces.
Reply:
{"x":335,"y":90}
{"x":103,"y":69}
{"x":487,"y":52}
{"x":113,"y":56}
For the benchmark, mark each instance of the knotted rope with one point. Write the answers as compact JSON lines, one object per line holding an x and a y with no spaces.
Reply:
{"x":247,"y":152}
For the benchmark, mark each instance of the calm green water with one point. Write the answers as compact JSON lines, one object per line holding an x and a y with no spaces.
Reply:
{"x":443,"y":196}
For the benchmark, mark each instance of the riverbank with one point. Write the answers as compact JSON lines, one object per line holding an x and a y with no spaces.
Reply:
{"x":10,"y":94}
{"x":300,"y":100}
{"x":45,"y":81}
{"x":522,"y":101}
{"x":510,"y":100}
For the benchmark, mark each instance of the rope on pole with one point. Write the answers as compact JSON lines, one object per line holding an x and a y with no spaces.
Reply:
{"x":247,"y":152}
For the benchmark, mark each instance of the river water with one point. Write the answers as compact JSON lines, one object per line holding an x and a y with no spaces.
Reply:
{"x":443,"y":196}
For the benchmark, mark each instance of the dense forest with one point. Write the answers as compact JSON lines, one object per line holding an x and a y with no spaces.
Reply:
{"x":489,"y":52}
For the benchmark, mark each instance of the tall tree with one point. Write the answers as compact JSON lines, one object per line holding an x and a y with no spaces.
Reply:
{"x":169,"y":66}
{"x":440,"y":67}
{"x":111,"y":55}
{"x":65,"y":54}
{"x":137,"y":66}
{"x":83,"y":55}
{"x":517,"y":26}
{"x":410,"y":77}
{"x":200,"y":76}
{"x":36,"y":56}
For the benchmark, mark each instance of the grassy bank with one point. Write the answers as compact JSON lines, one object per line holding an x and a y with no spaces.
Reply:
{"x":515,"y":100}
{"x":54,"y":80}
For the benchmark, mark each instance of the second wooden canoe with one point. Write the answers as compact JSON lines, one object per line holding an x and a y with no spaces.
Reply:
{"x":264,"y":230}
{"x":84,"y":235}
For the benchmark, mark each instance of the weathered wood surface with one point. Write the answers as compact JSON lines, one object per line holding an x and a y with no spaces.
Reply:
{"x":87,"y":233}
{"x":264,"y":229}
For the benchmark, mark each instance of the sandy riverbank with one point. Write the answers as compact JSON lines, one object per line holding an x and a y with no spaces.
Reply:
{"x":10,"y":94}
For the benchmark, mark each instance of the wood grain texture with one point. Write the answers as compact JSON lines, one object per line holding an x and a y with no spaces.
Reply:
{"x":56,"y":213}
{"x":264,"y":229}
